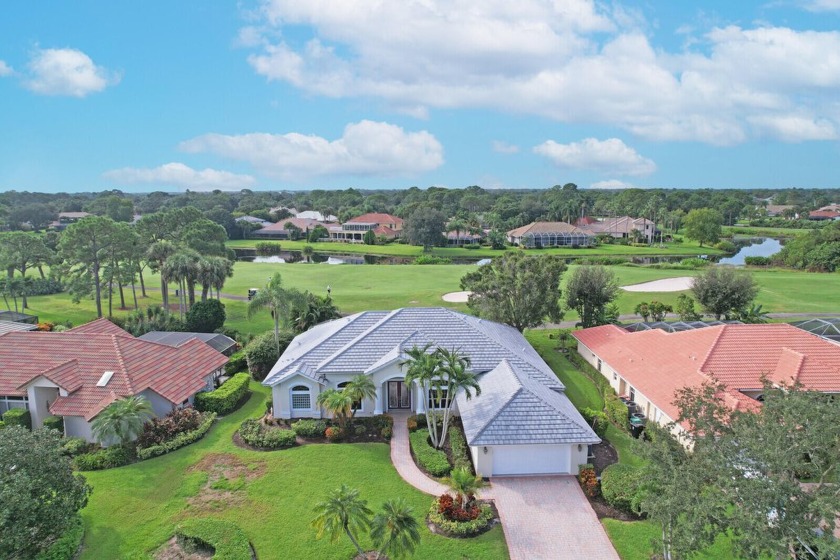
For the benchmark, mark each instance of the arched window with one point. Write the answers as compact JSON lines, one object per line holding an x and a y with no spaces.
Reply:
{"x":357,"y":405}
{"x":301,"y":398}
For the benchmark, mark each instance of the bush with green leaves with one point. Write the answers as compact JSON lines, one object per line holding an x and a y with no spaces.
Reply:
{"x":18,"y":417}
{"x":54,"y":423}
{"x":43,"y":286}
{"x":620,"y":486}
{"x":256,"y":434}
{"x":432,"y":460}
{"x":757,"y":261}
{"x":74,"y":446}
{"x":227,"y":540}
{"x":236,"y":363}
{"x":66,"y":547}
{"x":617,"y":412}
{"x":2,"y":424}
{"x":107,"y":458}
{"x":225,"y":399}
{"x":460,"y":450}
{"x":596,"y":419}
{"x":462,"y":528}
{"x":180,"y":440}
{"x":261,"y":354}
{"x":267,"y":248}
{"x":205,"y":316}
{"x":310,"y":428}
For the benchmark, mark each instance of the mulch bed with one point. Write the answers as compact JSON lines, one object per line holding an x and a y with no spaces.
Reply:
{"x":370,"y":435}
{"x":605,"y":455}
{"x":493,"y":522}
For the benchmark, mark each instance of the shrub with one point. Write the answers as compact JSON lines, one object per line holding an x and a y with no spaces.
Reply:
{"x":269,"y":402}
{"x":616,"y":412}
{"x":620,"y":486}
{"x":74,"y":446}
{"x":694,"y":262}
{"x":2,"y":424}
{"x":180,"y":440}
{"x":334,"y":433}
{"x":460,"y":451}
{"x":387,"y":432}
{"x":412,"y":425}
{"x":254,"y":433}
{"x":45,"y":326}
{"x":160,"y":430}
{"x":757,"y":261}
{"x":205,"y":316}
{"x":310,"y":428}
{"x":588,"y":480}
{"x":236,"y":363}
{"x":18,"y":417}
{"x":267,"y":248}
{"x":432,"y":460}
{"x":597,"y":420}
{"x":452,"y":510}
{"x":224,"y":399}
{"x":67,"y":545}
{"x":431,"y":259}
{"x":726,"y":246}
{"x":461,"y":528}
{"x":54,"y":423}
{"x":225,"y":538}
{"x":261,"y":354}
{"x":108,"y":458}
{"x":383,"y":421}
{"x":360,"y":430}
{"x":42,"y":286}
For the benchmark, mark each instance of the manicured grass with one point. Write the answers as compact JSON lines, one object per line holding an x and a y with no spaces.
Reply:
{"x":632,"y":541}
{"x":134,"y":509}
{"x":401,"y":250}
{"x":764,"y":231}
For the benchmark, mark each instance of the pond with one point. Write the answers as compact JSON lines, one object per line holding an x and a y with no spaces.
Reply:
{"x":753,"y":247}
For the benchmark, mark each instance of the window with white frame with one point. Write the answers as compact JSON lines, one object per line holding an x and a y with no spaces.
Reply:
{"x":8,"y":403}
{"x":438,"y":398}
{"x":357,"y":405}
{"x":301,"y":398}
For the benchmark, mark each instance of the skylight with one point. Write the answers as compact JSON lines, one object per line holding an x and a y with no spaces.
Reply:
{"x":106,"y":377}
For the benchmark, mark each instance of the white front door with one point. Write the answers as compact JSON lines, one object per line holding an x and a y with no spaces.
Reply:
{"x":531,"y":459}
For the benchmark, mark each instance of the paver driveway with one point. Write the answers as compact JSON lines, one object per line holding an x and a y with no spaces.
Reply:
{"x":549,"y":518}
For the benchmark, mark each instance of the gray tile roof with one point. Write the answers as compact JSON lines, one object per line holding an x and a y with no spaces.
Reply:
{"x":515,"y":409}
{"x":216,"y":341}
{"x":11,"y":326}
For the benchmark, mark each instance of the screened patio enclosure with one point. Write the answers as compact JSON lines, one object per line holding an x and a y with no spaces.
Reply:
{"x":556,"y":239}
{"x":828,"y":327}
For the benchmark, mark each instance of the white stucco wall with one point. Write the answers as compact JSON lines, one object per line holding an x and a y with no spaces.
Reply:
{"x":76,"y":426}
{"x":40,"y":392}
{"x":160,"y":405}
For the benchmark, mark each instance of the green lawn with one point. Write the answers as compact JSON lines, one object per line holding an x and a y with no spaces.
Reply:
{"x":134,"y":509}
{"x":764,"y":231}
{"x":687,"y":248}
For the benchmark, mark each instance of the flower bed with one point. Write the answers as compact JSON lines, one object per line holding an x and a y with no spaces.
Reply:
{"x":180,"y":440}
{"x":260,"y":436}
{"x":445,"y":513}
{"x":107,"y":458}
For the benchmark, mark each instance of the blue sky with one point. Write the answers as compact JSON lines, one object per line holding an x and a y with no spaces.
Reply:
{"x":296,"y":94}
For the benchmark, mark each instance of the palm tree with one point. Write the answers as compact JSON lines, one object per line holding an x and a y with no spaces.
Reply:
{"x":359,"y":388}
{"x":342,"y":512}
{"x":395,"y":531}
{"x":276,"y":299}
{"x":182,"y":268}
{"x":457,"y":225}
{"x":454,"y":376}
{"x":753,"y":314}
{"x":422,"y":368}
{"x":122,"y":420}
{"x":463,"y":484}
{"x":223,"y":271}
{"x":211,"y":274}
{"x":156,"y":256}
{"x":338,"y":403}
{"x":307,"y":252}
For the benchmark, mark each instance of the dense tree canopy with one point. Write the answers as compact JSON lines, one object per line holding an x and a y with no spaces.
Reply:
{"x":723,"y":291}
{"x":703,"y":225}
{"x":425,"y":227}
{"x":590,"y":291}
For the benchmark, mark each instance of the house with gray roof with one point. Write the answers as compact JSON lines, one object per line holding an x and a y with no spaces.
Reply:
{"x":522,"y":423}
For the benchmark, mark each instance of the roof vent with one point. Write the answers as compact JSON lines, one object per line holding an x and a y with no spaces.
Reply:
{"x":106,"y":377}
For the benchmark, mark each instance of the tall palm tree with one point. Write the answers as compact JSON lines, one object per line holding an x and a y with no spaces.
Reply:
{"x":181,"y":267}
{"x":457,"y":225}
{"x":156,"y":256}
{"x":122,"y":420}
{"x":211,"y":273}
{"x":454,"y":377}
{"x":422,"y":367}
{"x":463,"y":484}
{"x":338,"y":403}
{"x":307,"y":252}
{"x":359,"y":388}
{"x":395,"y":531}
{"x":342,"y":512}
{"x":223,"y":271}
{"x":277,"y":299}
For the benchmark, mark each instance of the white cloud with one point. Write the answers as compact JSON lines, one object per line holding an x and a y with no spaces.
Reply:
{"x":794,"y":128}
{"x":180,"y":175}
{"x":501,"y":147}
{"x":822,"y":5}
{"x":5,"y":69}
{"x":365,"y":148}
{"x":67,"y":72}
{"x":610,"y":156}
{"x":572,"y":61}
{"x":611,"y":184}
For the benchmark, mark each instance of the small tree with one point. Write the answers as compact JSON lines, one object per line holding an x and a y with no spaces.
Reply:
{"x":590,"y":291}
{"x":338,"y":403}
{"x":659,"y":310}
{"x":463,"y":484}
{"x":425,"y":227}
{"x":369,"y":238}
{"x":40,"y":496}
{"x":685,"y":308}
{"x":643,"y":309}
{"x":360,"y":388}
{"x":262,"y":353}
{"x":278,"y":300}
{"x":206,"y":316}
{"x":343,"y":512}
{"x":395,"y":531}
{"x":723,"y":291}
{"x":703,"y":225}
{"x":307,"y":252}
{"x":122,"y":420}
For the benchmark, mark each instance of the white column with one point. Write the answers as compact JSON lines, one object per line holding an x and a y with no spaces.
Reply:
{"x":377,"y":407}
{"x":421,"y":398}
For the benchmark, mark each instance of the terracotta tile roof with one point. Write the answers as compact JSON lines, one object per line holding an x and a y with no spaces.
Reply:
{"x":376,"y":218}
{"x":100,"y":326}
{"x":76,"y":361}
{"x":301,"y":223}
{"x":545,"y":227}
{"x":657,"y":363}
{"x":824,"y":214}
{"x":385,"y":230}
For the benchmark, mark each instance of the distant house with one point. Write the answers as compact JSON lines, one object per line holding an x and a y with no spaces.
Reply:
{"x":622,"y":228}
{"x":650,"y":366}
{"x":550,"y":234}
{"x":280,"y":230}
{"x":821,"y":215}
{"x":67,"y":218}
{"x":457,"y":238}
{"x":314,"y":215}
{"x":779,"y":210}
{"x":353,"y":231}
{"x":16,"y":317}
{"x":253,"y":220}
{"x":76,"y":374}
{"x":216,"y":341}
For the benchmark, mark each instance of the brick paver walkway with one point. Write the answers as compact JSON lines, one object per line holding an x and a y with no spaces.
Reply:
{"x":549,"y":518}
{"x":401,"y":457}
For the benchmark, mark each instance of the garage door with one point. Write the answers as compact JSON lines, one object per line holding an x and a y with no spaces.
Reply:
{"x":531,"y":459}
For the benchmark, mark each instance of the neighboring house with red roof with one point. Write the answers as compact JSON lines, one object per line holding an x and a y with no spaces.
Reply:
{"x":77,"y":373}
{"x":281,"y":229}
{"x":550,"y":234}
{"x":622,"y":228}
{"x":650,"y":366}
{"x":824,"y":215}
{"x":353,"y":231}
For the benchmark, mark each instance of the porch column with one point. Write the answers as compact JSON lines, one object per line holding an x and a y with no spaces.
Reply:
{"x":377,"y":407}
{"x":421,"y":398}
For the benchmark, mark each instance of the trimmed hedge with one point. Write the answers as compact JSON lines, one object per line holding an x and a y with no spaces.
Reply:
{"x":67,"y":545}
{"x":597,"y":421}
{"x":620,"y":486}
{"x":255,"y":434}
{"x":310,"y":428}
{"x":617,"y":412}
{"x":460,"y":451}
{"x":462,"y":528}
{"x":108,"y":458}
{"x":54,"y":423}
{"x":178,"y":441}
{"x":226,"y":538}
{"x":224,"y":399}
{"x":236,"y":363}
{"x":18,"y":417}
{"x":432,"y":460}
{"x":757,"y":261}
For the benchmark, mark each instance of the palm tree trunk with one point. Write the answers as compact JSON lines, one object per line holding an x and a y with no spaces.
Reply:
{"x":164,"y":290}
{"x":191,"y":290}
{"x":204,"y":289}
{"x":134,"y":293}
{"x":98,"y":287}
{"x":110,"y":296}
{"x":276,"y":330}
{"x":353,"y":540}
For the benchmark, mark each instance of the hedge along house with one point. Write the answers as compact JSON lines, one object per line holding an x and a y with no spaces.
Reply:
{"x":77,"y":373}
{"x":650,"y":366}
{"x":522,"y":423}
{"x":550,"y":234}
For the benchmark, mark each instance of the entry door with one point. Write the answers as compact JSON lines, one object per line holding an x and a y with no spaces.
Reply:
{"x":399,"y":395}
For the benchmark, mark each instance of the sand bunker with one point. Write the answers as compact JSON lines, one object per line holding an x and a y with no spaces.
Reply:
{"x":457,"y":297}
{"x":664,"y":285}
